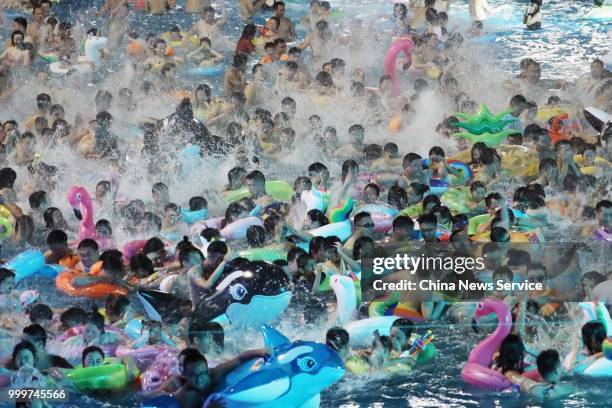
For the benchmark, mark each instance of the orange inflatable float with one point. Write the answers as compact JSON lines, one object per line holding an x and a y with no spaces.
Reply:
{"x":63,"y":281}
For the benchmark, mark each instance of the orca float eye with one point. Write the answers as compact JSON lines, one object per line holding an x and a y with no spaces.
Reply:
{"x":238,"y":291}
{"x":307,"y":363}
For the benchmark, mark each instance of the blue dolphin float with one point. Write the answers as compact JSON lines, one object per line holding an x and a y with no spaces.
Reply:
{"x":292,"y":376}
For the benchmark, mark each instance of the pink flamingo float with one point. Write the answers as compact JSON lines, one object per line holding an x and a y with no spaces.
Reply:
{"x":80,"y":201}
{"x":404,"y":45}
{"x":477,"y":371}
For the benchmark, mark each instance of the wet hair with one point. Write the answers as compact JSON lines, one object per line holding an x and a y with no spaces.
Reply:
{"x":288,"y":101}
{"x":103,"y":224}
{"x":88,"y":244}
{"x":372,"y":186}
{"x":197,"y":327}
{"x":193,"y":358}
{"x":318,"y":168}
{"x":256,"y":236}
{"x":140,"y":263}
{"x":593,"y":335}
{"x":217,"y":247}
{"x":547,"y":362}
{"x":431,"y":200}
{"x":184,"y":254}
{"x":154,"y":244}
{"x":499,"y":234}
{"x":315,"y":215}
{"x":40,"y":312}
{"x":511,"y":354}
{"x":503,"y":272}
{"x":7,"y":177}
{"x":492,"y":196}
{"x":249,"y":31}
{"x":403,"y":221}
{"x":348,"y":166}
{"x":396,"y":197}
{"x":22,"y":345}
{"x":517,"y":257}
{"x":256,"y":176}
{"x":372,"y":151}
{"x":37,"y":199}
{"x":391,"y":149}
{"x":57,"y":237}
{"x":197,"y":203}
{"x":337,"y":338}
{"x":91,"y":349}
{"x":409,"y":158}
{"x":116,"y":305}
{"x":37,"y":332}
{"x":603,"y":204}
{"x":235,"y":174}
{"x":96,"y":319}
{"x":76,"y":314}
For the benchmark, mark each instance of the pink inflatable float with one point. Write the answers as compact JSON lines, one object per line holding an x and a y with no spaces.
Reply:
{"x":404,"y":45}
{"x":477,"y":371}
{"x":80,"y":201}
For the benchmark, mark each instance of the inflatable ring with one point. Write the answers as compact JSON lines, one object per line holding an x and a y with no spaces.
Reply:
{"x":95,"y":290}
{"x":279,"y":190}
{"x":313,"y":199}
{"x":383,"y":209}
{"x":342,"y":230}
{"x":456,"y":198}
{"x":8,"y":228}
{"x":143,"y":356}
{"x":391,"y":306}
{"x":48,"y":56}
{"x":518,"y":160}
{"x":238,"y":228}
{"x":5,"y":213}
{"x":263,"y":254}
{"x":206,"y":71}
{"x":26,"y":264}
{"x":342,"y":211}
{"x":413,"y":211}
{"x":191,"y":217}
{"x":476,"y":222}
{"x":438,"y":186}
{"x":404,"y":45}
{"x":546,"y":112}
{"x":106,"y":377}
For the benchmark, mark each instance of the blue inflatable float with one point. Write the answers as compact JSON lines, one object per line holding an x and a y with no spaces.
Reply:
{"x":29,"y":263}
{"x":206,"y":71}
{"x":292,"y":376}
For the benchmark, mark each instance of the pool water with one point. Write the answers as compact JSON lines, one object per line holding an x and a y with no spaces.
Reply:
{"x":565,"y":46}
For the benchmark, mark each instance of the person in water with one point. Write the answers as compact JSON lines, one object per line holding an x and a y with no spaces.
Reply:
{"x":533,"y":16}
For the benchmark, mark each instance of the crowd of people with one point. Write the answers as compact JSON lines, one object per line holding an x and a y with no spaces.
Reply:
{"x":295,"y":102}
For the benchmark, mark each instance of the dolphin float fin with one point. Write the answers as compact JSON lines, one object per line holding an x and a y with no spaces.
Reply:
{"x":149,"y":309}
{"x":260,"y":387}
{"x":272,"y":337}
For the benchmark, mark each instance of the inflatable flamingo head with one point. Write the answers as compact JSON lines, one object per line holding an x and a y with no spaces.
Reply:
{"x":486,"y":307}
{"x":77,"y":195}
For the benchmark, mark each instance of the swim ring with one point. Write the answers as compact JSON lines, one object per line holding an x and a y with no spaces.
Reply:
{"x":95,"y":290}
{"x":277,"y":189}
{"x":263,"y":254}
{"x":206,"y":71}
{"x":106,"y":377}
{"x":238,"y":228}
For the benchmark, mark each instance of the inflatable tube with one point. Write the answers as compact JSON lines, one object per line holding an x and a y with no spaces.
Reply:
{"x":143,"y":356}
{"x":313,"y":199}
{"x":342,"y":211}
{"x":263,"y":254}
{"x":456,"y":200}
{"x":383,"y":209}
{"x":93,"y":45}
{"x":477,"y":372}
{"x":383,"y":223}
{"x":401,"y":45}
{"x":214,"y":222}
{"x":96,"y":290}
{"x":48,"y":56}
{"x":292,"y":376}
{"x":5,"y":213}
{"x":484,"y":121}
{"x":439,"y":187}
{"x":476,"y":222}
{"x":546,"y":112}
{"x":164,"y":367}
{"x":238,"y":229}
{"x":133,"y":329}
{"x":518,"y":160}
{"x":342,"y":230}
{"x":346,"y":297}
{"x":166,"y":284}
{"x":279,"y":190}
{"x":107,"y":377}
{"x":390,"y":305}
{"x":601,"y":368}
{"x":26,"y":264}
{"x":191,"y":217}
{"x":8,"y":228}
{"x":206,"y":71}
